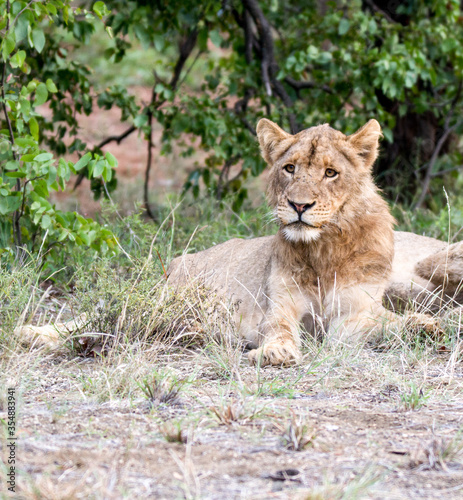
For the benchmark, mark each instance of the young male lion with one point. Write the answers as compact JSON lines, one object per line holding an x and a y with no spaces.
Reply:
{"x":331,"y":261}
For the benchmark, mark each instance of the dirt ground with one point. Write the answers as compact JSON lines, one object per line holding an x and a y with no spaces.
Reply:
{"x":378,"y":425}
{"x":86,"y":430}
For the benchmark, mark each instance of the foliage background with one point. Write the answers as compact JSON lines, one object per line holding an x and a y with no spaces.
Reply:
{"x":211,"y":70}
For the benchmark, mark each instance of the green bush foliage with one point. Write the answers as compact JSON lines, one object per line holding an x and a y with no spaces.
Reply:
{"x":302,"y":64}
{"x":31,"y":78}
{"x":215,"y":69}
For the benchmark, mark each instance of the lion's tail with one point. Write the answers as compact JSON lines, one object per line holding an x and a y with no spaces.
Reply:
{"x":50,"y":334}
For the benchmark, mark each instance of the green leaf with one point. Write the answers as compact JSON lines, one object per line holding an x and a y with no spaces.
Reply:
{"x":24,"y":143}
{"x":22,"y":26}
{"x":111,"y":160}
{"x":100,"y":9}
{"x":9,"y":44}
{"x":215,"y":37}
{"x":18,"y":59}
{"x":46,"y":221}
{"x":159,"y":42}
{"x":51,"y":86}
{"x":34,"y":128}
{"x":344,"y":26}
{"x":41,"y":188}
{"x":9,"y":204}
{"x":51,"y":9}
{"x":140,"y":120}
{"x":42,"y":157}
{"x":41,"y":94}
{"x":388,"y":135}
{"x":99,"y":167}
{"x":15,"y":175}
{"x":38,"y":38}
{"x":28,"y":157}
{"x":107,"y":174}
{"x":83,"y":162}
{"x":12,"y":165}
{"x":84,"y":237}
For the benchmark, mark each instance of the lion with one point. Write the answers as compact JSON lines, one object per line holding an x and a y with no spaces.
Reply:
{"x":335,"y":259}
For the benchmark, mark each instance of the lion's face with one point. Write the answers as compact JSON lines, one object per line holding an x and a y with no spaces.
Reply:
{"x":315,"y":173}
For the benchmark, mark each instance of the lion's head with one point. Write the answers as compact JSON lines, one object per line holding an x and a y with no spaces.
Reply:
{"x":317,"y":174}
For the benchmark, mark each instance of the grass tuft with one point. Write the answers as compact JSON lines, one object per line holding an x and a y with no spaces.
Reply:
{"x":299,"y":434}
{"x":162,"y":389}
{"x":414,"y":398}
{"x":438,"y":453}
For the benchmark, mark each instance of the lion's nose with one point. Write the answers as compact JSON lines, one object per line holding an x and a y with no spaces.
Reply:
{"x":300,"y":207}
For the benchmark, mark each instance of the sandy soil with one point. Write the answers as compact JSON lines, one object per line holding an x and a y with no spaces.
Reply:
{"x":79,"y":439}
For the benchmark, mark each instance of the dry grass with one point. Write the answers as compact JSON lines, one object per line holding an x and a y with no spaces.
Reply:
{"x":438,"y":453}
{"x":299,"y":434}
{"x":160,"y":401}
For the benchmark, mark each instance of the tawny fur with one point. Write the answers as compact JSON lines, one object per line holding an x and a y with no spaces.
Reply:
{"x":329,"y":265}
{"x":333,"y":268}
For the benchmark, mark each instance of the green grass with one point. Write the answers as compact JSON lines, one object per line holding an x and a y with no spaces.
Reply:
{"x":131,"y":283}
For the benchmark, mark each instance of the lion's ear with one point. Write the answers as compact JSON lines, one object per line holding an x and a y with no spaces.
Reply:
{"x":366,"y":141}
{"x":270,"y":137}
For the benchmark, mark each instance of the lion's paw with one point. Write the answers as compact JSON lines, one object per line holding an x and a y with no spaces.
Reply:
{"x":275,"y":353}
{"x":429,"y":324}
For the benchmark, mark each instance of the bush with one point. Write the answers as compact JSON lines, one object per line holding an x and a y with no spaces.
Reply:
{"x":28,"y":172}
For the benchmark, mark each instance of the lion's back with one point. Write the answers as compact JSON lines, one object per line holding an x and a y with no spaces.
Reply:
{"x":236,"y":268}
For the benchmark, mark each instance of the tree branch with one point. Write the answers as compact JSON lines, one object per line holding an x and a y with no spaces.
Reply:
{"x":300,"y":85}
{"x":447,"y":131}
{"x":375,"y":8}
{"x":116,"y":138}
{"x":150,"y":156}
{"x":269,"y":66}
{"x":248,"y":36}
{"x":446,"y":171}
{"x":186,"y":47}
{"x":241,"y":107}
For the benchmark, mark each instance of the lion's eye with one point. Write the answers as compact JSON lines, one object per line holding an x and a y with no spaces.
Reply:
{"x":329,"y":172}
{"x":290,"y":168}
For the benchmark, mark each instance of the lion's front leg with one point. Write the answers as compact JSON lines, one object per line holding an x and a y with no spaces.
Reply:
{"x":279,"y":331}
{"x":280,"y":344}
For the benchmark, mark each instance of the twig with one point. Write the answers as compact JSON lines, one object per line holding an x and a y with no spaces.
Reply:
{"x":112,"y":138}
{"x":150,"y":156}
{"x":186,"y":47}
{"x":162,"y":263}
{"x":116,"y":138}
{"x":20,"y":12}
{"x":187,"y":72}
{"x":223,"y":177}
{"x":375,"y":8}
{"x":446,"y":171}
{"x":447,"y":131}
{"x":300,"y":85}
